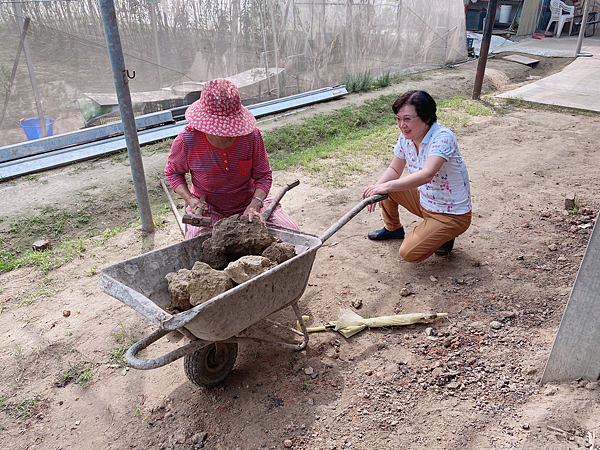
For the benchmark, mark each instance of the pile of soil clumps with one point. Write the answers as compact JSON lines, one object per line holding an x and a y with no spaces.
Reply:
{"x":237,"y":251}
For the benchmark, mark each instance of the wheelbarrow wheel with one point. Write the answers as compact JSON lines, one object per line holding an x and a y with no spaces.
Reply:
{"x":210,"y":365}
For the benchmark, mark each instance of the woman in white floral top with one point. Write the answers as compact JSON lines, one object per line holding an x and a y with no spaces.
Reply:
{"x":436,"y":188}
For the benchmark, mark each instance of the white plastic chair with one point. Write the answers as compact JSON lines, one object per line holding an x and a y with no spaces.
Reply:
{"x":561,"y":13}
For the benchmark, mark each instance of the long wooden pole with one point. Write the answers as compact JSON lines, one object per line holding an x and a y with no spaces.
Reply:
{"x":156,"y":43}
{"x":586,"y":8}
{"x":34,"y":86}
{"x":262,"y":29}
{"x":485,"y":48}
{"x":14,"y":70}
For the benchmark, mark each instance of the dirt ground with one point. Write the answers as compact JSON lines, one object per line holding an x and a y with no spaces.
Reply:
{"x":454,"y":383}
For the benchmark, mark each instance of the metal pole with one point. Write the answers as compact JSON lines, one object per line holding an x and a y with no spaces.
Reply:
{"x":586,"y":8}
{"x":121,"y":77}
{"x":262,"y":29}
{"x":235,"y":13}
{"x":156,"y":46}
{"x":14,"y":70}
{"x":275,"y":30}
{"x":34,"y":86}
{"x":485,"y":47}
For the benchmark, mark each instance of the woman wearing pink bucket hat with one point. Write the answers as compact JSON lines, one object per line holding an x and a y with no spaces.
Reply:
{"x":225,"y":155}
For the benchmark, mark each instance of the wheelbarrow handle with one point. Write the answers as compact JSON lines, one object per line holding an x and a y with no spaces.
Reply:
{"x":350,"y":214}
{"x":278,"y":197}
{"x":146,"y":364}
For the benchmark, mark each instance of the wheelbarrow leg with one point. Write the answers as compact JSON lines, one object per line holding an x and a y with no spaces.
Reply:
{"x":302,"y":325}
{"x":295,"y":347}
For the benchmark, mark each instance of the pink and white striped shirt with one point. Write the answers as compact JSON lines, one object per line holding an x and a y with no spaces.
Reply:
{"x":227,"y":177}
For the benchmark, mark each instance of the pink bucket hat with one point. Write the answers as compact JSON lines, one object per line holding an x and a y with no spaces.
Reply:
{"x":219,"y":110}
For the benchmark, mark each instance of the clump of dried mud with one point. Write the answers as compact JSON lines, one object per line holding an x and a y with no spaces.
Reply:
{"x":237,"y":251}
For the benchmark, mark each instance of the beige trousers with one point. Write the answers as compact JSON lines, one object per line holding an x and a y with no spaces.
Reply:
{"x":429,"y":235}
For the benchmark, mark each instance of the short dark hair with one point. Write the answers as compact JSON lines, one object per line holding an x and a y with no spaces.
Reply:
{"x":423,"y":103}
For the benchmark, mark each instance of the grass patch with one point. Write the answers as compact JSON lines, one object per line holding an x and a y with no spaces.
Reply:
{"x":383,"y":80}
{"x":22,"y":410}
{"x":359,"y":82}
{"x":335,"y":144}
{"x":125,"y":339}
{"x":299,"y":144}
{"x":78,"y":372}
{"x":46,"y":260}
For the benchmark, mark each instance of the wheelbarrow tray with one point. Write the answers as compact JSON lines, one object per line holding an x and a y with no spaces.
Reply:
{"x":140,"y":283}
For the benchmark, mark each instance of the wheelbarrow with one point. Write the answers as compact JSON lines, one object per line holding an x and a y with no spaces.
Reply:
{"x":213,"y":327}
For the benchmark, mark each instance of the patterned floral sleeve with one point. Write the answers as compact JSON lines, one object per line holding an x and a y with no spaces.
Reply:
{"x":399,"y":147}
{"x":443,"y":144}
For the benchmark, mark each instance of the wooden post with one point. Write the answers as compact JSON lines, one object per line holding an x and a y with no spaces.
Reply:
{"x":485,"y":47}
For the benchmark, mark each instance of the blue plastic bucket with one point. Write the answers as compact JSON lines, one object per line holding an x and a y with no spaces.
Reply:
{"x":32,"y":127}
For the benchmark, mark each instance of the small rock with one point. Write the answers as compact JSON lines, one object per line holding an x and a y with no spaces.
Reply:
{"x":199,"y":437}
{"x":309,"y":371}
{"x":428,"y":331}
{"x":350,"y":358}
{"x":561,"y":259}
{"x":180,"y":438}
{"x":553,"y":247}
{"x":507,"y":314}
{"x":500,"y":384}
{"x":66,"y":313}
{"x":526,"y":426}
{"x":287,"y":443}
{"x":41,"y":245}
{"x":570,"y":202}
{"x":357,"y":303}
{"x":453,"y":385}
{"x":314,"y":375}
{"x":311,"y":402}
{"x":495,"y":325}
{"x":432,"y":278}
{"x":368,"y":372}
{"x":476,"y":325}
{"x":447,"y":342}
{"x":405,"y":292}
{"x":77,"y":422}
{"x":520,"y":257}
